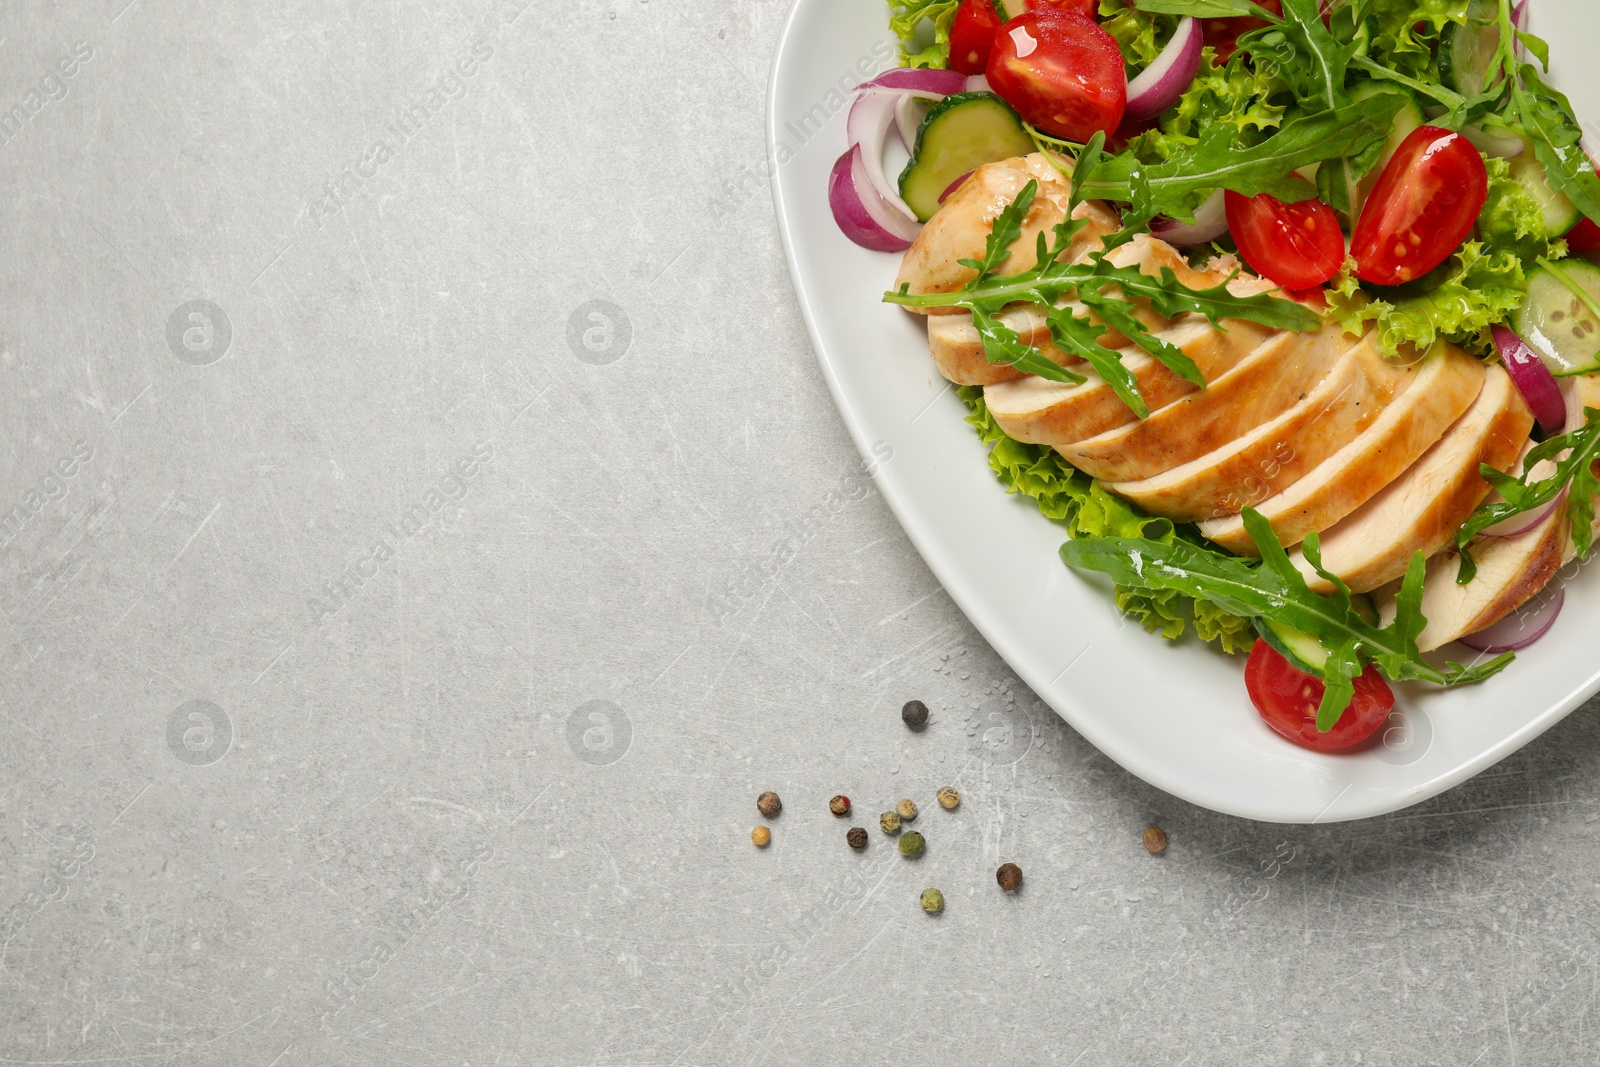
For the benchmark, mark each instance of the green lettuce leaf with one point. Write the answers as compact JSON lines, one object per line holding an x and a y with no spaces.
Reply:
{"x":1458,"y":302}
{"x":905,"y":21}
{"x":1068,"y":496}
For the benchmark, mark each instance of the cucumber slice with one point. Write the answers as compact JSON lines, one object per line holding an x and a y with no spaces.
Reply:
{"x":1303,"y":651}
{"x":1467,"y":50}
{"x":1561,"y":318}
{"x":960,"y":134}
{"x":1558,"y":212}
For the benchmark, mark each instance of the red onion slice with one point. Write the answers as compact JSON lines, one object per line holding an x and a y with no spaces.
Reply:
{"x":977,"y":83}
{"x":1163,"y":81}
{"x":909,"y":112}
{"x":1522,"y":627}
{"x":953,"y":186}
{"x":1532,"y":379}
{"x":860,"y":212}
{"x":943,"y":82}
{"x":1210,"y":222}
{"x":868,"y":126}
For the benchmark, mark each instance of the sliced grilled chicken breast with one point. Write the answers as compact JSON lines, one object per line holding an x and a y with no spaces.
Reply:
{"x":1446,"y":383}
{"x":1421,"y":510}
{"x":960,"y":228}
{"x":1276,"y":454}
{"x":1053,"y":413}
{"x":1275,"y":377}
{"x":958,"y":350}
{"x":1511,"y":571}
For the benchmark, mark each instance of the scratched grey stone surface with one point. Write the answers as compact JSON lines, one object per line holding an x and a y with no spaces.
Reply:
{"x":426,"y":530}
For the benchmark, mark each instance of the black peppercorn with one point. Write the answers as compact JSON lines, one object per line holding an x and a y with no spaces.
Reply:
{"x":769,"y":804}
{"x":914,"y":714}
{"x":1009,"y":876}
{"x":857,"y":837}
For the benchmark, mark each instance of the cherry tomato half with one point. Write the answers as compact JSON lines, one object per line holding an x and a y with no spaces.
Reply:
{"x":1296,"y":245}
{"x":1422,"y":208}
{"x":1062,"y":73}
{"x":1584,"y":237}
{"x":972,"y":35}
{"x":1223,"y":34}
{"x":1287,"y":699}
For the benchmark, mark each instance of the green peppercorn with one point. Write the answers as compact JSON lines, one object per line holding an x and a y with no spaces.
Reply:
{"x":761,"y":837}
{"x":857,"y":838}
{"x":914,"y":714}
{"x":769,"y":804}
{"x":932,"y":901}
{"x":949,"y":798}
{"x":889,"y":823}
{"x":907,"y":810}
{"x":1009,"y":876}
{"x":911,"y":843}
{"x":840,"y":805}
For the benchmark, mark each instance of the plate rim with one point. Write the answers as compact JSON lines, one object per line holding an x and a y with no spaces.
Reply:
{"x":951,"y":577}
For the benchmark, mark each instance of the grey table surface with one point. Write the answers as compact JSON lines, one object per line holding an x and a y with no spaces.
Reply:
{"x":425,"y":530}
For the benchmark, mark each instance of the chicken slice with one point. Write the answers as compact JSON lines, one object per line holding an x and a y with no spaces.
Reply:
{"x":1511,"y":571}
{"x":960,"y":228}
{"x":1421,"y":510}
{"x":1275,"y":455}
{"x":1211,"y":431}
{"x":958,"y":350}
{"x":1058,"y":414}
{"x":1446,"y":381}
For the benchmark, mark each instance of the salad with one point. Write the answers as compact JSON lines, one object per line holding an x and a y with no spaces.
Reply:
{"x":1282,"y":308}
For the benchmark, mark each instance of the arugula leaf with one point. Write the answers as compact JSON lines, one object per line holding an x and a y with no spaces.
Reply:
{"x":1547,"y":118}
{"x":1218,"y":161}
{"x":1081,"y":337}
{"x":1574,"y":474}
{"x":1306,"y":54}
{"x":1001,"y":344}
{"x":1204,"y":9}
{"x":1172,"y":298}
{"x":1003,"y":234}
{"x":1115,"y":313}
{"x":1273,"y":589}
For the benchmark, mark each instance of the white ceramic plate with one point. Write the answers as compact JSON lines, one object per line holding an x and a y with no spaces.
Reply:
{"x":1176,"y":716}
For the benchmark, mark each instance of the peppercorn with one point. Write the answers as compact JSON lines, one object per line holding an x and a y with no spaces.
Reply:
{"x":914,"y":714}
{"x":911,"y":844}
{"x":761,"y":837}
{"x":840,"y":805}
{"x":932,"y":901}
{"x":857,"y":837}
{"x":889,"y":823}
{"x":769,"y":804}
{"x":1009,"y":876}
{"x":907,"y":810}
{"x":949,"y":798}
{"x":1155,"y":840}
